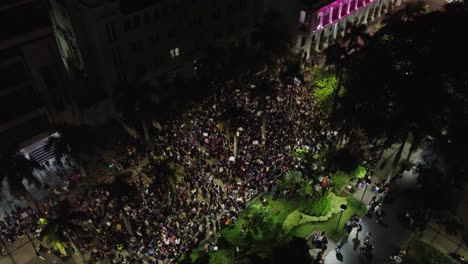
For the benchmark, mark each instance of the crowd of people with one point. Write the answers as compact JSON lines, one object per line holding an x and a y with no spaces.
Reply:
{"x":13,"y":223}
{"x":217,"y":183}
{"x":163,"y":224}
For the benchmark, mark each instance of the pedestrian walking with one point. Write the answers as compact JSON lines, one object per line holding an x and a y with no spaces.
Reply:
{"x":379,"y":214}
{"x":348,"y":226}
{"x":359,"y":229}
{"x":339,"y":245}
{"x":367,"y":238}
{"x":377,"y":208}
{"x":376,"y":190}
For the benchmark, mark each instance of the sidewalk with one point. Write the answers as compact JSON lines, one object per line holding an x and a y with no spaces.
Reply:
{"x":435,"y":235}
{"x":387,"y":237}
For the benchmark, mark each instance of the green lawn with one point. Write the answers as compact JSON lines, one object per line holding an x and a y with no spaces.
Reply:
{"x":223,"y":256}
{"x":421,"y":253}
{"x":280,"y":211}
{"x":354,"y":206}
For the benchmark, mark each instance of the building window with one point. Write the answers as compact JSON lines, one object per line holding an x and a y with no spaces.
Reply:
{"x":116,"y":56}
{"x":229,"y":10}
{"x":175,"y":53}
{"x":217,"y":14}
{"x":126,"y":25}
{"x":243,"y":4}
{"x":136,"y":21}
{"x":158,"y":61}
{"x":172,"y":9}
{"x":171,"y":33}
{"x":195,"y":22}
{"x":230,"y":29}
{"x":197,"y":43}
{"x":111,"y":36}
{"x":217,"y":35}
{"x":137,"y":46}
{"x":154,"y":40}
{"x":122,"y":76}
{"x":146,"y":18}
{"x":243,"y":24}
{"x":156,"y":14}
{"x":303,"y":18}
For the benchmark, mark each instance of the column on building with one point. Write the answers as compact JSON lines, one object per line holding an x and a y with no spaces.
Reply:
{"x":320,"y":21}
{"x":330,"y":15}
{"x":343,"y":25}
{"x":326,"y":33}
{"x":348,"y":6}
{"x":340,"y":9}
{"x":356,"y":2}
{"x":335,"y":29}
{"x":375,"y":6}
{"x":387,"y":6}
{"x":380,"y":7}
{"x":366,"y":14}
{"x":317,"y":40}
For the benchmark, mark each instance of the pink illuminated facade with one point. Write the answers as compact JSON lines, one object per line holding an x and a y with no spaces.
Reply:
{"x":337,"y":11}
{"x":314,"y":24}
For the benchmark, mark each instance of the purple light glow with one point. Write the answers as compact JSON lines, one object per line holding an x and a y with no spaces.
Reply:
{"x":336,"y":12}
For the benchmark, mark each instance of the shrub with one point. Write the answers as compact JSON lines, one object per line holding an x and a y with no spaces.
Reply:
{"x":318,"y":207}
{"x":360,"y":172}
{"x":259,"y":215}
{"x":324,"y":84}
{"x":297,"y":218}
{"x":340,"y":180}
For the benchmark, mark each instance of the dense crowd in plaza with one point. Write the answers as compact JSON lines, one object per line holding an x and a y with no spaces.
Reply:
{"x":168,"y":223}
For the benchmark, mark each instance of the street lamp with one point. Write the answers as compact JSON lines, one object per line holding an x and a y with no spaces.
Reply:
{"x":343,"y":207}
{"x":368,"y":181}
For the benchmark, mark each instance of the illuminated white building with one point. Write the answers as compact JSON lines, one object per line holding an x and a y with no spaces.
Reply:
{"x":314,"y":24}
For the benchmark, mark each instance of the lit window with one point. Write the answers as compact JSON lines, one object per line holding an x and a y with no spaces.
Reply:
{"x":303,"y":17}
{"x":175,"y":52}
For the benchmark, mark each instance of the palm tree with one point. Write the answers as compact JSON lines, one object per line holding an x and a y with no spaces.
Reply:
{"x":166,"y":175}
{"x":121,"y":192}
{"x":135,"y":101}
{"x":288,"y":75}
{"x":261,"y":92}
{"x":65,"y":226}
{"x":338,"y":54}
{"x":258,"y":216}
{"x":263,"y":250}
{"x":396,"y":68}
{"x":232,"y":120}
{"x":293,"y":179}
{"x":16,"y":168}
